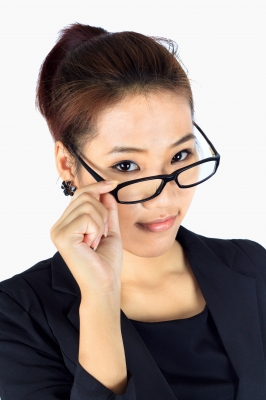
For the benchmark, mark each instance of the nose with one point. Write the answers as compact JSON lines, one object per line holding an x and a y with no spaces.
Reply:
{"x":166,"y":198}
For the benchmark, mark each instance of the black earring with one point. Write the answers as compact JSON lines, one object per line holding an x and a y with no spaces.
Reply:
{"x":68,"y":189}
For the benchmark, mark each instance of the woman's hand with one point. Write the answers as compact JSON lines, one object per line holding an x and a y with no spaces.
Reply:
{"x":78,"y":231}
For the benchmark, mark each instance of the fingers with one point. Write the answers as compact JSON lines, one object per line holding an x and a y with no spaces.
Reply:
{"x":95,"y":189}
{"x":86,"y":217}
{"x":113,"y":221}
{"x":89,"y":193}
{"x":82,"y":228}
{"x":98,"y":213}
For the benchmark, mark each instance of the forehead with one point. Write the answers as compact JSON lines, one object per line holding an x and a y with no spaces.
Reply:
{"x":143,"y":121}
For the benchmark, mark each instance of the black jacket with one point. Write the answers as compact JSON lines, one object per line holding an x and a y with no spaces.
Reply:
{"x":39,"y":327}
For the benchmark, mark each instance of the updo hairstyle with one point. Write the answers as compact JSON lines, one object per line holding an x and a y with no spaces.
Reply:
{"x":90,"y":69}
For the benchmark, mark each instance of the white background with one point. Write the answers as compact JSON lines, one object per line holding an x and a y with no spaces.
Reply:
{"x":221,"y":43}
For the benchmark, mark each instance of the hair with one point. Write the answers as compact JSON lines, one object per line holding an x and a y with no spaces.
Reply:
{"x":90,"y":69}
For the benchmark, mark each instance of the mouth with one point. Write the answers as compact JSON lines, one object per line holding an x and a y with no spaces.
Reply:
{"x":158,"y":225}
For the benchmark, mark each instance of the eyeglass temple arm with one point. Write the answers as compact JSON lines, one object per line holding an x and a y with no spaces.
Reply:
{"x":205,"y":137}
{"x":97,"y":177}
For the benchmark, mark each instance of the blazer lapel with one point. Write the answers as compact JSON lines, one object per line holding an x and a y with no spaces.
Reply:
{"x":232,"y":300}
{"x":67,"y":333}
{"x":151,"y":384}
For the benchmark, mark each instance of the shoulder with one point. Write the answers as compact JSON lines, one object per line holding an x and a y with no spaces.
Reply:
{"x":23,"y":288}
{"x":248,"y":256}
{"x":39,"y":270}
{"x":252,"y":249}
{"x":247,"y":247}
{"x":242,"y":255}
{"x":44,"y":290}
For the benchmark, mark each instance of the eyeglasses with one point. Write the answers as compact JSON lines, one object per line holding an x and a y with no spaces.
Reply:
{"x":201,"y":163}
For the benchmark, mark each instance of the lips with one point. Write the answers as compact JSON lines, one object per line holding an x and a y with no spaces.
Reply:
{"x":157,"y":221}
{"x":159,"y":226}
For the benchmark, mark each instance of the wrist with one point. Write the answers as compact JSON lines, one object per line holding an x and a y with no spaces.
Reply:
{"x":102,"y":290}
{"x":110,"y":299}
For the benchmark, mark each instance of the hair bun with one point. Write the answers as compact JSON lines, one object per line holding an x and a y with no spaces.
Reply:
{"x":75,"y":34}
{"x":70,"y":37}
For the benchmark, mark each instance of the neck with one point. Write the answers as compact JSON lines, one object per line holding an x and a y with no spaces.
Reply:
{"x":153,"y":271}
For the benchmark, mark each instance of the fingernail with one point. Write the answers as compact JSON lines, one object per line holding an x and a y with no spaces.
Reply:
{"x":96,"y":243}
{"x":111,"y":182}
{"x":106,"y":229}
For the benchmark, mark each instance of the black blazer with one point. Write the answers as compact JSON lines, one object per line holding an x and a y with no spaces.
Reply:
{"x":39,"y":327}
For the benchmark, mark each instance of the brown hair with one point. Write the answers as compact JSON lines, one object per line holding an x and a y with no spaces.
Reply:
{"x":90,"y":69}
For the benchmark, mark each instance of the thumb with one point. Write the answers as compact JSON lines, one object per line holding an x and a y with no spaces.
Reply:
{"x":113,"y":222}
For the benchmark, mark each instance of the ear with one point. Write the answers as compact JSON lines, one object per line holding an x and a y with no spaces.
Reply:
{"x":64,"y":163}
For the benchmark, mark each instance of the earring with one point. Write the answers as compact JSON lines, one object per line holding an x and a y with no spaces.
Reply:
{"x":68,"y":189}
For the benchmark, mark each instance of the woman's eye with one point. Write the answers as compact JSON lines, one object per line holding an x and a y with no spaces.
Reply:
{"x":182,"y":155}
{"x":128,"y":166}
{"x":124,"y":166}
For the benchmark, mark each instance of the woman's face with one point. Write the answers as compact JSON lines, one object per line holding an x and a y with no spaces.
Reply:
{"x":151,"y":123}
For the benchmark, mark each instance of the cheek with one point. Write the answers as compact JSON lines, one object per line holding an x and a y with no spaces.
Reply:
{"x":127,"y":215}
{"x":186,"y":197}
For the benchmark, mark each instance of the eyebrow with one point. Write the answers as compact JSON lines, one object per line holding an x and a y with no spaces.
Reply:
{"x":122,"y":149}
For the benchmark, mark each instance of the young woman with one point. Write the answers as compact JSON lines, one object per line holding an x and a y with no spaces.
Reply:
{"x":133,"y":306}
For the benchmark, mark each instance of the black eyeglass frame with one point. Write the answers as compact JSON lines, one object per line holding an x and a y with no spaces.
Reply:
{"x":165,"y":178}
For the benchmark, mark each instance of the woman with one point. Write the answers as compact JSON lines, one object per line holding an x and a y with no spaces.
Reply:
{"x":133,"y":305}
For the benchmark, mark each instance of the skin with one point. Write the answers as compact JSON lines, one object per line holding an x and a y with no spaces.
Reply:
{"x":155,"y":121}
